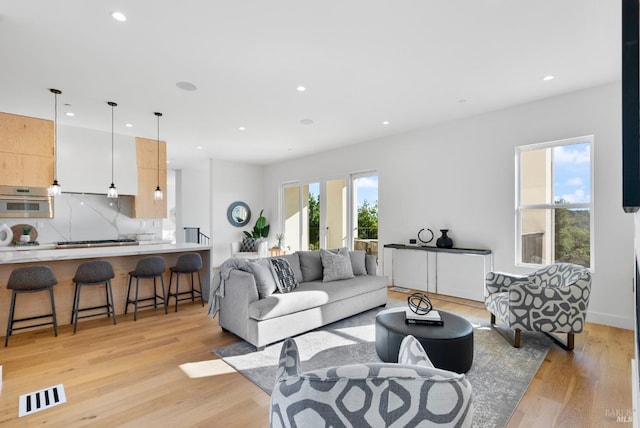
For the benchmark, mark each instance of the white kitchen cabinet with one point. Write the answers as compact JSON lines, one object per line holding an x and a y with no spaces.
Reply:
{"x":84,"y":161}
{"x":458,"y":272}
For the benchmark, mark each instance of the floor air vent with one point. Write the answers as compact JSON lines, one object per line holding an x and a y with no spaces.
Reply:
{"x":40,"y":400}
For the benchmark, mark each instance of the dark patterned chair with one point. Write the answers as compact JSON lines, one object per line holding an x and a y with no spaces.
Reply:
{"x":551,"y":300}
{"x":410,"y":393}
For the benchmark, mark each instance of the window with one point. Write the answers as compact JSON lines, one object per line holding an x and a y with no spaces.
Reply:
{"x":316,"y":214}
{"x":554,"y":204}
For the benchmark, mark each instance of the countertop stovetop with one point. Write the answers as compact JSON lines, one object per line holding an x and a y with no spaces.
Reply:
{"x":96,"y":243}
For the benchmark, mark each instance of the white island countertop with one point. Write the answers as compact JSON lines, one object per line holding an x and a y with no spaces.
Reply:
{"x":47,"y":254}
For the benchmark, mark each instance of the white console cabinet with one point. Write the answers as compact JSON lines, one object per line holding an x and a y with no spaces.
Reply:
{"x":458,"y":272}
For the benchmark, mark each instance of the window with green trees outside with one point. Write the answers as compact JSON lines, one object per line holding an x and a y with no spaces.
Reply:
{"x":554,"y":202}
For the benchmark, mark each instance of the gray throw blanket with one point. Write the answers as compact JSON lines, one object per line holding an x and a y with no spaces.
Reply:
{"x":216,"y":293}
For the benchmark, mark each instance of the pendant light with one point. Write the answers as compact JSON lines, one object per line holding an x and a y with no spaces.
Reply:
{"x":112,"y":192}
{"x":157,"y":194}
{"x":55,"y":189}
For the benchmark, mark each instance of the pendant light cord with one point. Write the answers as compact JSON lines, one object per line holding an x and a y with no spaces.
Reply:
{"x":112,"y":105}
{"x":55,"y":135}
{"x":159,"y":150}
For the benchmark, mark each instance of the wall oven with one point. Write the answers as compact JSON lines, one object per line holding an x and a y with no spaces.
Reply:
{"x":25,"y":202}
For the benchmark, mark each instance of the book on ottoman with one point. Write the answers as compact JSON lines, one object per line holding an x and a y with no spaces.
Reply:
{"x":432,"y":318}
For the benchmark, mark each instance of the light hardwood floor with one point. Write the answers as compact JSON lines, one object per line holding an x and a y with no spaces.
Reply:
{"x":159,"y":371}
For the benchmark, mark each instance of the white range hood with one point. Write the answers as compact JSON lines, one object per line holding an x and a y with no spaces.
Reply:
{"x":84,"y":161}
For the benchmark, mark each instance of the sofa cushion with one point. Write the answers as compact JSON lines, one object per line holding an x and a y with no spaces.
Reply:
{"x":336,"y":266}
{"x":265,"y":283}
{"x":310,"y":265}
{"x":311,"y":294}
{"x":283,"y":275}
{"x":358,"y":262}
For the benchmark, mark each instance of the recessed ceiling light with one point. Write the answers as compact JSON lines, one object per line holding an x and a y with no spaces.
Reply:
{"x":70,"y":113}
{"x":128,"y":125}
{"x":301,"y":88}
{"x":186,"y":86}
{"x":306,"y":122}
{"x":119,"y":16}
{"x":547,"y":78}
{"x":242,"y":128}
{"x":199,"y":147}
{"x":386,"y":122}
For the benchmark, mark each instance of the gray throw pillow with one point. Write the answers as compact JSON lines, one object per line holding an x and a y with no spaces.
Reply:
{"x":283,"y":274}
{"x":357,"y":262}
{"x":261,"y":270}
{"x":310,"y":265}
{"x":336,"y":266}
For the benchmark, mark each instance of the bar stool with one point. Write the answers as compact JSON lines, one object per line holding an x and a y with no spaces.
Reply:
{"x":31,"y":279}
{"x":188,"y":263}
{"x":93,"y":273}
{"x":147,"y":267}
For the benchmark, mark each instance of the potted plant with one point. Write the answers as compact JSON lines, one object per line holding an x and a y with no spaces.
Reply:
{"x":280,"y":238}
{"x":260,"y":230}
{"x":25,"y":237}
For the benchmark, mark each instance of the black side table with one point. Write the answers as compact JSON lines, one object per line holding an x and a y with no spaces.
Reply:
{"x":449,"y":347}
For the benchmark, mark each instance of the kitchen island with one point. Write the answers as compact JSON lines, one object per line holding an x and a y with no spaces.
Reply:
{"x":64,"y":263}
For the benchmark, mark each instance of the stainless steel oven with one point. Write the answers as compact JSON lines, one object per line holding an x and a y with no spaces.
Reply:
{"x":25,"y":202}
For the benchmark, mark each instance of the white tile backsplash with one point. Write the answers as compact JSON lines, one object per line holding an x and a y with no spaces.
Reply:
{"x":79,"y":217}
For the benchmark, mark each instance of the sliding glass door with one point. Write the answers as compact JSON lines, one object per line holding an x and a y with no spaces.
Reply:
{"x":332,"y":213}
{"x":365,"y":209}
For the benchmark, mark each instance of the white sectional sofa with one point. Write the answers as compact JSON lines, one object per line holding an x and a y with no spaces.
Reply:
{"x":262,"y":318}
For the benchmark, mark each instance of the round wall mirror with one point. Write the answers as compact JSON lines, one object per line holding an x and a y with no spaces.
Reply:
{"x":238,"y":214}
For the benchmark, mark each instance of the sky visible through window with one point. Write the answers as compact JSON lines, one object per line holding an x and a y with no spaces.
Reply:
{"x":367,"y":189}
{"x":572,"y":173}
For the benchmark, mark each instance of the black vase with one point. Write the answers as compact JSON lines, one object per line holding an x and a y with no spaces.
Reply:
{"x":444,"y":241}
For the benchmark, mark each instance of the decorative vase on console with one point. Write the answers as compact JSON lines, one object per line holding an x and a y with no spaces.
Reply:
{"x":444,"y":241}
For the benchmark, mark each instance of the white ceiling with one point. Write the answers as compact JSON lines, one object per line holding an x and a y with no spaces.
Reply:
{"x":409,"y":62}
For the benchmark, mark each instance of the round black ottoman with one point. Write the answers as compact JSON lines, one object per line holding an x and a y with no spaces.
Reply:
{"x":449,"y":347}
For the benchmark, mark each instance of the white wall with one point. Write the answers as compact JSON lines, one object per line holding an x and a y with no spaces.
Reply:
{"x":230,"y":182}
{"x":460,"y":176}
{"x":193,"y":198}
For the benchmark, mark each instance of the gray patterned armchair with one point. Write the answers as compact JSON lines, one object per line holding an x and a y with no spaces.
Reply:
{"x":553,"y":299}
{"x":410,"y":393}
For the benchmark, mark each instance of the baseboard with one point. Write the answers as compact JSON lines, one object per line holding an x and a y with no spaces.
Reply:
{"x":610,"y":320}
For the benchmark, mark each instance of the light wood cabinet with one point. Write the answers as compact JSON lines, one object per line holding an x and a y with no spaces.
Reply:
{"x":26,"y":151}
{"x":147,"y":162}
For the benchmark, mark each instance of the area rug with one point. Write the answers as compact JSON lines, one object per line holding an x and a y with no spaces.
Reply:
{"x":500,"y":374}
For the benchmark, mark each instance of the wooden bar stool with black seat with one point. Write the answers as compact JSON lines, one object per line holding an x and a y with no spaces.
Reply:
{"x":147,"y":267}
{"x":31,"y":279}
{"x":94,"y":273}
{"x":188,"y":263}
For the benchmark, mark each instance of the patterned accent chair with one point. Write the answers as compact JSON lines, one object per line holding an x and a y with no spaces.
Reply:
{"x":410,"y":393}
{"x":551,"y":300}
